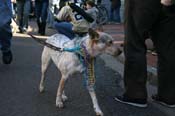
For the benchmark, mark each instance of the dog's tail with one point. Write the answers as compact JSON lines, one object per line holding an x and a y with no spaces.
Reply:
{"x":43,"y":42}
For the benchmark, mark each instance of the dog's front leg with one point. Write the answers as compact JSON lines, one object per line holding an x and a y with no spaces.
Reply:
{"x":59,"y":102}
{"x":95,"y":102}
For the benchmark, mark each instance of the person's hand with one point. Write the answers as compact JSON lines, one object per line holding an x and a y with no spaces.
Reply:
{"x":166,"y":2}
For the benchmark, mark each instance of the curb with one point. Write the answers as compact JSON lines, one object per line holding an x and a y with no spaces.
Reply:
{"x":151,"y":71}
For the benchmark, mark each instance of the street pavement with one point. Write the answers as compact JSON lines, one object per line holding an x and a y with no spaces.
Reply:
{"x":19,"y":83}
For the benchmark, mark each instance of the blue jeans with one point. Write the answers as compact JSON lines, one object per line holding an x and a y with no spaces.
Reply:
{"x":41,"y":10}
{"x":5,"y":38}
{"x":23,"y":10}
{"x":50,"y":18}
{"x":64,"y":28}
{"x":115,"y":14}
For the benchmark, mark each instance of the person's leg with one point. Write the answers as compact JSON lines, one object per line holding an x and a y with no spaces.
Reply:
{"x":65,"y":28}
{"x":5,"y":40}
{"x":164,"y":41}
{"x":26,"y":13}
{"x":38,"y":7}
{"x":44,"y":16}
{"x":111,"y":14}
{"x":117,"y":14}
{"x":20,"y":7}
{"x":139,"y":19}
{"x":50,"y":17}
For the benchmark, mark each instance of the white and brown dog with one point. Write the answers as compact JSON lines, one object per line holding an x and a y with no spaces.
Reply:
{"x":68,"y":62}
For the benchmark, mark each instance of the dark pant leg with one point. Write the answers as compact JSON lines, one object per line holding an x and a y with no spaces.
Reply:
{"x":164,"y":41}
{"x":20,"y":7}
{"x":38,"y":7}
{"x":26,"y":13}
{"x":111,"y":14}
{"x":44,"y":10}
{"x":140,"y":16}
{"x":5,"y":39}
{"x":117,"y":14}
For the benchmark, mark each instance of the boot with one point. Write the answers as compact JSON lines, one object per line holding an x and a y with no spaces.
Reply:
{"x":39,"y":26}
{"x":43,"y":28}
{"x":7,"y":57}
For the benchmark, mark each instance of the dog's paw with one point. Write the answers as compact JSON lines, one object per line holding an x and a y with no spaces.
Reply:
{"x":59,"y":103}
{"x":98,"y":112}
{"x":41,"y":89}
{"x":64,"y":98}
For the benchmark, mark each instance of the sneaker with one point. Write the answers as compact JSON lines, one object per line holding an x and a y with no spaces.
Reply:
{"x":7,"y":57}
{"x":158,"y":100}
{"x":134,"y":102}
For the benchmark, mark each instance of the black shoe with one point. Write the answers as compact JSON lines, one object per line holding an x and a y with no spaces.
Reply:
{"x":160,"y":101}
{"x":7,"y":57}
{"x":42,"y":28}
{"x":134,"y":102}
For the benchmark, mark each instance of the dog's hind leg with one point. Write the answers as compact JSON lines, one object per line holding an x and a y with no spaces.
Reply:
{"x":45,"y":60}
{"x":95,"y":102}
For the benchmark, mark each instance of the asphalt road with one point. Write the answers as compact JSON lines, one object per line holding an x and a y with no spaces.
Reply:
{"x":19,"y":94}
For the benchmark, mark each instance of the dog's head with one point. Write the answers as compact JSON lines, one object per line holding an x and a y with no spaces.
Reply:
{"x":100,"y":42}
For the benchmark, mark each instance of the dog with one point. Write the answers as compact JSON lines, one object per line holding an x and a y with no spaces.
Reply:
{"x":68,"y":62}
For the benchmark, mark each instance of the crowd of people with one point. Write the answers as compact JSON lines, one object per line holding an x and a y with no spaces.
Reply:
{"x":153,"y":19}
{"x":56,"y":13}
{"x":45,"y":12}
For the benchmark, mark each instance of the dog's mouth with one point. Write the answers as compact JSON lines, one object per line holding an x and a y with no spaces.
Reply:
{"x":119,"y":52}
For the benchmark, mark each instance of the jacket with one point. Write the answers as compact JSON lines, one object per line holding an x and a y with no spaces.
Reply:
{"x":79,"y":23}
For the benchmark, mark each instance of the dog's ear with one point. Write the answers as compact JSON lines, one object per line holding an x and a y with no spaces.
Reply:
{"x":93,"y":34}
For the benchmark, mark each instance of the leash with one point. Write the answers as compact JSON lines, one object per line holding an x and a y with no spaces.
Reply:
{"x":41,"y":41}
